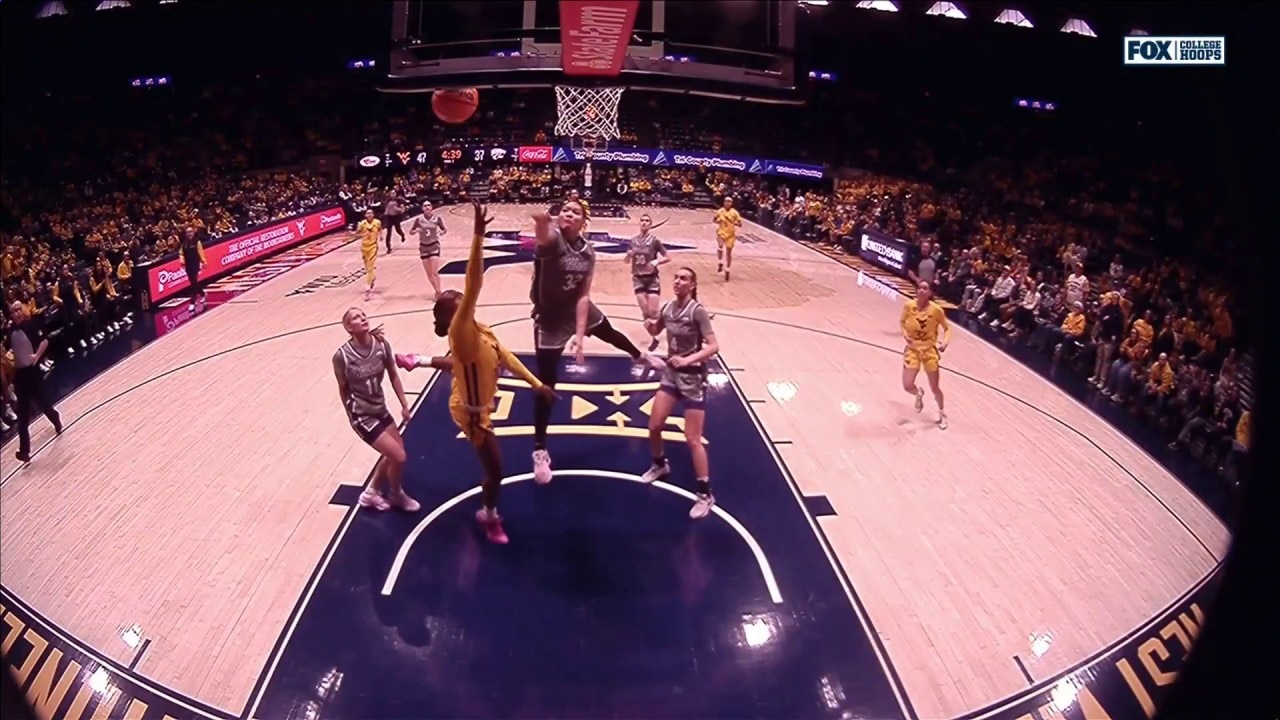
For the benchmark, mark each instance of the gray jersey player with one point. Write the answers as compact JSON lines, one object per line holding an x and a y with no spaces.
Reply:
{"x":691,"y":343}
{"x":564,"y":265}
{"x":644,"y":254}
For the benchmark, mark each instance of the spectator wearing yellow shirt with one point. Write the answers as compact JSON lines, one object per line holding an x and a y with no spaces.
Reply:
{"x":1071,"y":334}
{"x":1159,"y":383}
{"x":1133,"y":351}
{"x":1143,"y":326}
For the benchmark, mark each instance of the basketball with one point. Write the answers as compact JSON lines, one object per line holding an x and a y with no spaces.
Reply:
{"x":456,"y":105}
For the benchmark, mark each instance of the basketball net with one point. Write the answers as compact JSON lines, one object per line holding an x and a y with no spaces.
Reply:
{"x":589,"y":117}
{"x":585,"y":112}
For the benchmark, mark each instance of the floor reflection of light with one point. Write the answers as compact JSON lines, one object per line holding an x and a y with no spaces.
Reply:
{"x":99,"y":681}
{"x":1040,"y":643}
{"x":782,"y":391}
{"x":132,"y":636}
{"x":832,"y":693}
{"x":758,"y":630}
{"x":717,"y":379}
{"x":1063,"y":694}
{"x":850,"y":408}
{"x":329,"y":684}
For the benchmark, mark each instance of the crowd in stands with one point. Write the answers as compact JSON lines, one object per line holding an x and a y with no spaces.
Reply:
{"x":1071,"y":273}
{"x":1038,"y":231}
{"x":82,"y":203}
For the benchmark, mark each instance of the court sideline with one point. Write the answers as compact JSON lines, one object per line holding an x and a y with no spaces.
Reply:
{"x":261,"y":461}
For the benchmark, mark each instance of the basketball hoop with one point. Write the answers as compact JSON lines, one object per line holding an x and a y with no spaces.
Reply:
{"x":588,"y":113}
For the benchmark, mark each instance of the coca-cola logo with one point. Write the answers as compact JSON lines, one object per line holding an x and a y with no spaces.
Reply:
{"x":534,"y":154}
{"x":328,"y":221}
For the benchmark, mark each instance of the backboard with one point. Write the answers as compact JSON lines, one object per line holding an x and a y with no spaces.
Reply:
{"x":742,"y":50}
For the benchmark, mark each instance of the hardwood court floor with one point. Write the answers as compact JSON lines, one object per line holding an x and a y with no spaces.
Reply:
{"x":192,"y":493}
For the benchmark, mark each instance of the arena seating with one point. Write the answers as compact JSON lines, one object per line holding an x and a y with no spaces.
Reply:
{"x":990,"y":189}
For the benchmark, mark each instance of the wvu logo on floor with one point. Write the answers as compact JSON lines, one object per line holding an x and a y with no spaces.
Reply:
{"x":605,"y":578}
{"x":1175,"y":50}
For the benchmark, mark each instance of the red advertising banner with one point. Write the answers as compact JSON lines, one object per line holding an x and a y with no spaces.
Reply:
{"x":169,"y":278}
{"x":594,"y":35}
{"x":535,"y":153}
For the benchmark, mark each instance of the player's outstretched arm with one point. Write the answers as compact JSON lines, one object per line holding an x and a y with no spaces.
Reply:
{"x":542,"y":228}
{"x":466,"y":313}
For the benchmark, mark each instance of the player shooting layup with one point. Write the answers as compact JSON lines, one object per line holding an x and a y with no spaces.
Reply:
{"x":564,"y":265}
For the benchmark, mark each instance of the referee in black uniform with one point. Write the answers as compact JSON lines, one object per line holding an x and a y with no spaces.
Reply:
{"x":28,"y":379}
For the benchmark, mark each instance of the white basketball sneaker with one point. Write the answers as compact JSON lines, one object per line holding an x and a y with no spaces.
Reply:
{"x":541,"y":467}
{"x":702,"y":506}
{"x":373,"y":500}
{"x":656,"y":472}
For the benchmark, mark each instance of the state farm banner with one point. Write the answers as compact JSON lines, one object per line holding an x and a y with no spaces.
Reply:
{"x":168,"y":278}
{"x":594,"y":35}
{"x":685,"y":158}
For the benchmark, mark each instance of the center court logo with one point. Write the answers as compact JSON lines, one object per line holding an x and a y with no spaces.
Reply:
{"x":1175,"y":50}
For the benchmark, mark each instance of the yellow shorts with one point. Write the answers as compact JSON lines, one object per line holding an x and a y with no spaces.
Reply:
{"x":727,"y":242}
{"x":926,"y":358}
{"x":475,"y":427}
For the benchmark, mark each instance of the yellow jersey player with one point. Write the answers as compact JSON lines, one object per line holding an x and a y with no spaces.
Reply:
{"x":368,"y":231}
{"x":477,"y":356}
{"x":727,"y":223}
{"x":920,"y":321}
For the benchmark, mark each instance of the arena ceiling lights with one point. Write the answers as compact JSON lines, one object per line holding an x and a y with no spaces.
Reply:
{"x":53,"y":8}
{"x":1014,"y":18}
{"x":947,"y":9}
{"x":881,"y":5}
{"x":1079,"y":27}
{"x":112,"y":4}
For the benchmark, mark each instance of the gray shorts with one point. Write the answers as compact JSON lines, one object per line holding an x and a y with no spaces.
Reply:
{"x":555,"y":332}
{"x":687,"y":385}
{"x":647,"y":284}
{"x":426,"y":251}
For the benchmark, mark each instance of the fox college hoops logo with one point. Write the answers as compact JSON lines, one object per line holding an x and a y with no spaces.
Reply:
{"x":1175,"y":50}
